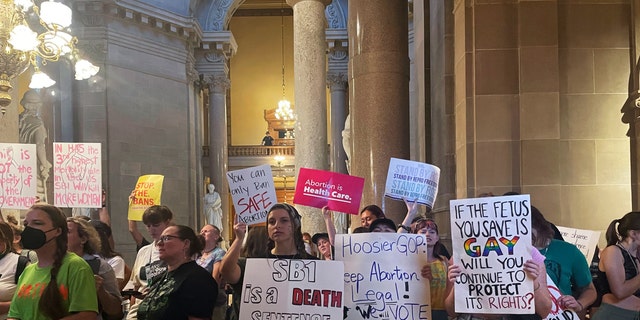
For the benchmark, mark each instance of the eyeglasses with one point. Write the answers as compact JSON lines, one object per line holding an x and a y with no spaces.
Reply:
{"x":167,"y":237}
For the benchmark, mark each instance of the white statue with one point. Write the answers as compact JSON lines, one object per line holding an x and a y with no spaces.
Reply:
{"x":213,"y":207}
{"x":33,"y":131}
{"x":346,"y":141}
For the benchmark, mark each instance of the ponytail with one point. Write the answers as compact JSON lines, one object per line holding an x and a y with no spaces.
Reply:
{"x":629,"y":222}
{"x":612,"y":235}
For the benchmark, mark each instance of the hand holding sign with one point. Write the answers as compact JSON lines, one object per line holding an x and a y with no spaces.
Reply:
{"x":148,"y":192}
{"x":491,"y":238}
{"x":253,"y":193}
{"x":340,"y":192}
{"x":413,"y":180}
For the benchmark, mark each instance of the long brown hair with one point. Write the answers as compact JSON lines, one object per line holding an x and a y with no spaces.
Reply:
{"x":51,"y":302}
{"x":255,"y":246}
{"x":6,"y":237}
{"x":297,"y":228}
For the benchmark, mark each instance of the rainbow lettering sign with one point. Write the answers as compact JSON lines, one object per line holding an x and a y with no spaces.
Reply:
{"x":491,"y":239}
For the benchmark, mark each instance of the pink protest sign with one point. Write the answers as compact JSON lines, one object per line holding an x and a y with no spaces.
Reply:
{"x":340,"y":192}
{"x":18,"y":175}
{"x":77,"y":175}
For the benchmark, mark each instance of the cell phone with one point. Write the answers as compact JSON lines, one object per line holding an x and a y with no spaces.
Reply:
{"x":131,"y":293}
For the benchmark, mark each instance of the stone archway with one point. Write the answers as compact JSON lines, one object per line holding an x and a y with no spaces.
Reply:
{"x":216,"y":15}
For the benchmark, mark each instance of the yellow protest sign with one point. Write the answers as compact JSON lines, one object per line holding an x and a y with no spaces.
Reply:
{"x":147,"y":193}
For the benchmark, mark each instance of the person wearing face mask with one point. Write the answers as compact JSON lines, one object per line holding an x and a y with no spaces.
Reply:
{"x":61,"y":284}
{"x":284,"y":242}
{"x":147,"y":264}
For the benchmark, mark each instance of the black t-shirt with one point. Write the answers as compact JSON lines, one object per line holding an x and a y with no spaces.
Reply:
{"x":186,"y":291}
{"x":267,"y":141}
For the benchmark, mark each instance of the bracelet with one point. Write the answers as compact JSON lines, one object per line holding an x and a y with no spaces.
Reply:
{"x":581,"y":306}
{"x":536,"y":288}
{"x":407,"y":229}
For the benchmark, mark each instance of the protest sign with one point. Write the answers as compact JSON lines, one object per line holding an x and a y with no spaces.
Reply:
{"x":491,"y":239}
{"x":412,"y":180}
{"x":382,"y":277}
{"x":292,"y":289}
{"x":557,"y":313}
{"x":18,"y":175}
{"x":148,"y":192}
{"x":77,"y":175}
{"x":253,"y":193}
{"x":340,"y":192}
{"x":585,"y":240}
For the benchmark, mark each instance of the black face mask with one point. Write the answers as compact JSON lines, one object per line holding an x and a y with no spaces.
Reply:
{"x":34,"y":239}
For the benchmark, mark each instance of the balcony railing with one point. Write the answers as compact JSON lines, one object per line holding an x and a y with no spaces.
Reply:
{"x":261,"y":151}
{"x":255,"y":151}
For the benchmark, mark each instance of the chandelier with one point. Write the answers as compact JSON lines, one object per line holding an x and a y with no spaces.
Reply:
{"x":25,"y":44}
{"x":284,"y":111}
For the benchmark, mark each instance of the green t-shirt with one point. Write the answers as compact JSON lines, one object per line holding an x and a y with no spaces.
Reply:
{"x":566,"y":266}
{"x":76,"y":283}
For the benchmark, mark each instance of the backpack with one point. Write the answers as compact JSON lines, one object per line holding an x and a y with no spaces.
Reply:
{"x":94,"y":264}
{"x":22,"y":263}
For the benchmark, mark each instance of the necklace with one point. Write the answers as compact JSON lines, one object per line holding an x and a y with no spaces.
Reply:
{"x":633,"y":259}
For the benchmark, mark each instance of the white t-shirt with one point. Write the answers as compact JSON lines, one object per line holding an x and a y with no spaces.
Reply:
{"x":117,"y":263}
{"x":8,"y":266}
{"x":146,"y":255}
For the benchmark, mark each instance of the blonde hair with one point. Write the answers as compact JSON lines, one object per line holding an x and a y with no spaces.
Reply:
{"x":87,"y":231}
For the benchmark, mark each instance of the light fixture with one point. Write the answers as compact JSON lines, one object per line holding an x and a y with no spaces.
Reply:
{"x":284,"y":111}
{"x":21,"y":46}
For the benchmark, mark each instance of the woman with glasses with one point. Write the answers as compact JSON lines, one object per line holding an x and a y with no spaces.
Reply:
{"x":185,"y":291}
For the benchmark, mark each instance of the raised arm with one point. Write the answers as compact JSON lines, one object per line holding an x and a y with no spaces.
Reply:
{"x":229,"y":268}
{"x":328,"y":221}
{"x":412,"y":210}
{"x":133,"y":226}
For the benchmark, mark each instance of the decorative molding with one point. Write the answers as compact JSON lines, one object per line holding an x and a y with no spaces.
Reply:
{"x":218,"y":83}
{"x":336,"y":18}
{"x":337,"y":49}
{"x":94,"y":49}
{"x":337,"y":81}
{"x":97,"y":12}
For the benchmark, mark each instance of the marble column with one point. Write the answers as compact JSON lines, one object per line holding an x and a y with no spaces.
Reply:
{"x":337,"y":83}
{"x":379,"y":96}
{"x":309,"y":68}
{"x":218,"y":156}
